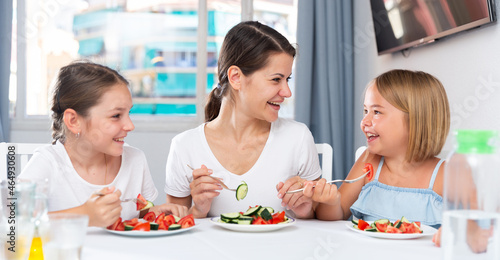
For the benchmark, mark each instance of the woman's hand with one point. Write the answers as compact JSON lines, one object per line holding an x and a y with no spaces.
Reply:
{"x":301,"y":205}
{"x":203,"y":190}
{"x":322,"y":192}
{"x":170,"y":208}
{"x":103,"y":210}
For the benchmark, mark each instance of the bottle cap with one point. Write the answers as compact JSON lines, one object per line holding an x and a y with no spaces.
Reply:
{"x":476,"y":141}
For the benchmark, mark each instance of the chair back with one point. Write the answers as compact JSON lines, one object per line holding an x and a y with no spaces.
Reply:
{"x":14,"y":157}
{"x":326,"y":152}
{"x":359,"y":152}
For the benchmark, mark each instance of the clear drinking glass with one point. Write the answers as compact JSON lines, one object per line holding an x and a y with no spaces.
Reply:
{"x":63,"y":236}
{"x":39,"y":215}
{"x":16,"y":225}
{"x":471,"y":216}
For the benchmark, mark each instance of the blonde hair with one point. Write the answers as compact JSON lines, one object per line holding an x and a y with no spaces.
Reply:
{"x":423,"y":98}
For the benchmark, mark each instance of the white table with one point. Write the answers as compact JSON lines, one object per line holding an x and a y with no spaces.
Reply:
{"x":306,"y":239}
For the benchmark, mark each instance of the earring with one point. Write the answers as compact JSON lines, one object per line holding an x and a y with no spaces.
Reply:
{"x":78,"y":135}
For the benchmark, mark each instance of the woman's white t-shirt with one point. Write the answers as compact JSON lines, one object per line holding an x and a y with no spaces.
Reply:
{"x":289,"y":151}
{"x":68,"y":190}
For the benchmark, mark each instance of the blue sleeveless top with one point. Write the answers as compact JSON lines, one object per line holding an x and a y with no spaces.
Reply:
{"x":377,"y":200}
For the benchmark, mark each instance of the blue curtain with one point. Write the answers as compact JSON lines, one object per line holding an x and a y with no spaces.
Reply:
{"x":5,"y":42}
{"x":324,"y":90}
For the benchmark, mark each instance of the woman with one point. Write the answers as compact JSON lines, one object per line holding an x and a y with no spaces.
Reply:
{"x":243,"y":139}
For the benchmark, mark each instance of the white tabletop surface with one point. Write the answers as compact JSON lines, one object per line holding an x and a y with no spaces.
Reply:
{"x":306,"y":239}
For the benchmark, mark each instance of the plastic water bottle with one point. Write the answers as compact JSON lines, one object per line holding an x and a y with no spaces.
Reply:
{"x":471,"y":212}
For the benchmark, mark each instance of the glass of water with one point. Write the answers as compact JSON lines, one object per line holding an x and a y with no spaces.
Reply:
{"x":16,"y":225}
{"x":63,"y":236}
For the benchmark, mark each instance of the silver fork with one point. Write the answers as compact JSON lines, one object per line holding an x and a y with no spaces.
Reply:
{"x":346,"y":181}
{"x":219,"y":181}
{"x":125,"y":200}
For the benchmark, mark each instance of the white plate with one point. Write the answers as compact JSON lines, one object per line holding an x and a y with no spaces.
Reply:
{"x":252,"y":228}
{"x":428,"y":231}
{"x":152,"y":233}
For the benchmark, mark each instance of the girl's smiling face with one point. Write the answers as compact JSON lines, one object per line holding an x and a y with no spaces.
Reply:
{"x":265,"y":90}
{"x":109,"y":121}
{"x":385,"y":126}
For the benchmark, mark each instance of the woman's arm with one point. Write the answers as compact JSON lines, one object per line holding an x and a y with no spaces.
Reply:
{"x":203,"y":190}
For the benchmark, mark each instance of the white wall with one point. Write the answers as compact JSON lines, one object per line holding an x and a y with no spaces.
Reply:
{"x":468,"y":65}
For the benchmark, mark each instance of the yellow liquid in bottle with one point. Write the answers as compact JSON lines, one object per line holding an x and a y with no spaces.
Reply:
{"x":36,"y":252}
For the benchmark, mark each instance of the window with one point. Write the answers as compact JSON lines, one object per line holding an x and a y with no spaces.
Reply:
{"x":155,"y":44}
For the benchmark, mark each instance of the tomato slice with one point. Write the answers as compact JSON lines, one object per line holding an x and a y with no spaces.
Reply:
{"x":259,"y":221}
{"x":169,"y":220}
{"x":150,"y":217}
{"x":391,"y":229}
{"x":132,"y":222}
{"x":278,"y":217}
{"x":142,"y":227}
{"x":187,"y":221}
{"x":160,"y":218}
{"x":114,"y":225}
{"x":141,"y":202}
{"x":162,"y":225}
{"x":120,"y":227}
{"x":368,"y":167}
{"x":381,"y":227}
{"x":362,"y":225}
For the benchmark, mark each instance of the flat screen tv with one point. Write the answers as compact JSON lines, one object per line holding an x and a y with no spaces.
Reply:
{"x":402,"y":24}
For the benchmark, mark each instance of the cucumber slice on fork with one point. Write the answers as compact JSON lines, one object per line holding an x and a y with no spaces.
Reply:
{"x":241,"y":191}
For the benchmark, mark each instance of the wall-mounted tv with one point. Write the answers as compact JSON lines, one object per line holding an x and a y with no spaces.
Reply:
{"x":401,"y":24}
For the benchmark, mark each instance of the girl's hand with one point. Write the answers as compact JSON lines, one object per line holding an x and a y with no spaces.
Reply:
{"x":103,"y":210}
{"x":437,"y":237}
{"x":170,"y":208}
{"x":322,"y":192}
{"x":302,"y":206}
{"x":203,"y":190}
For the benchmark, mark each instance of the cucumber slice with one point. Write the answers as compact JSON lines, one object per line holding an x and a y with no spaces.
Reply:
{"x":244,"y":222}
{"x":241,"y":191}
{"x":246,"y":218}
{"x":233,"y":215}
{"x":371,"y":229}
{"x":174,"y":227}
{"x":176,"y":218}
{"x":354,"y":221}
{"x":149,"y":205}
{"x":266,"y":215}
{"x":398,"y":224}
{"x":403,"y":219}
{"x":128,"y":228}
{"x":153,"y":226}
{"x":382,"y":221}
{"x":252,"y":211}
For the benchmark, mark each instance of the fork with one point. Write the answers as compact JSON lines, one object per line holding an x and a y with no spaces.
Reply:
{"x":219,"y":181}
{"x":346,"y":181}
{"x":124,"y":200}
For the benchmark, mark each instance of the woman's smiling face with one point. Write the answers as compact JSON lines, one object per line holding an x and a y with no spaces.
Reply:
{"x":264,"y":91}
